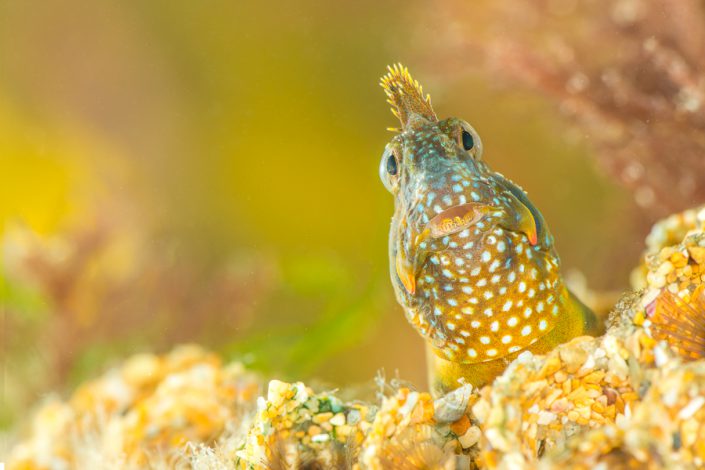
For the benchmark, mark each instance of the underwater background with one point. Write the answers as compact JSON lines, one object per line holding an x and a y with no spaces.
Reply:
{"x":173,"y":172}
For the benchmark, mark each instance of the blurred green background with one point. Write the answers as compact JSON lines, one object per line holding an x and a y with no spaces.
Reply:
{"x":173,"y":171}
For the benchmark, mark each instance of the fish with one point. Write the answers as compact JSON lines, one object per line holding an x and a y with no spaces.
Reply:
{"x":472,"y":262}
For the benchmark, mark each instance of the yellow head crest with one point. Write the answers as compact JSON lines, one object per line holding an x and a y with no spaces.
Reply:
{"x":406,"y":95}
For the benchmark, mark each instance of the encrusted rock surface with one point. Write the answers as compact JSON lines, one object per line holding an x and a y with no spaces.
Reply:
{"x":149,"y":410}
{"x":632,"y":398}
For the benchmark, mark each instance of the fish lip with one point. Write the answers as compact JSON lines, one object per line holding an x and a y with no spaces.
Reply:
{"x":454,"y":219}
{"x":462,"y":216}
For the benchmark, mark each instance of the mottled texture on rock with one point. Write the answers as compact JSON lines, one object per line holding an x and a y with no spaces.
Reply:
{"x":631,"y":398}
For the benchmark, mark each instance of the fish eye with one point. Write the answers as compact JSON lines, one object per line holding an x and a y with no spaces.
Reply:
{"x":389,"y":169}
{"x":468,"y":141}
{"x":391,"y":164}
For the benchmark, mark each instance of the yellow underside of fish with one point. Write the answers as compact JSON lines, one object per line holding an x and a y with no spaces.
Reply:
{"x":444,"y":376}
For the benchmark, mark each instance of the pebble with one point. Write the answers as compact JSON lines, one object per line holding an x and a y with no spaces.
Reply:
{"x":338,"y":419}
{"x":470,"y":438}
{"x":691,"y":408}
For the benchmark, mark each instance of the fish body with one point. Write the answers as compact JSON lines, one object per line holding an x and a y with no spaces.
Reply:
{"x":472,"y":261}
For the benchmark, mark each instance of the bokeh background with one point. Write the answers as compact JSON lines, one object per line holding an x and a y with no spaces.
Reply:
{"x":179,"y":171}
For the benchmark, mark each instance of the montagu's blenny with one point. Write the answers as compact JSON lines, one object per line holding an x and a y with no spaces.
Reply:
{"x":473,"y":263}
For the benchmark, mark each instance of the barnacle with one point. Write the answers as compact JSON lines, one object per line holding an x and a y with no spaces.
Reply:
{"x":680,"y":323}
{"x":662,"y":243}
{"x":403,"y":435}
{"x":673,"y":305}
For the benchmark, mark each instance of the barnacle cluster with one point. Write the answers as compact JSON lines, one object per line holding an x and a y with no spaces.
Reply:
{"x":541,"y":401}
{"x":632,"y":398}
{"x":296,"y":427}
{"x":666,"y":430}
{"x":673,"y":275}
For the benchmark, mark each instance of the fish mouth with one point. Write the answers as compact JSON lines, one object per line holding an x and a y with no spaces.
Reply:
{"x":452,"y":220}
{"x":455,"y":219}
